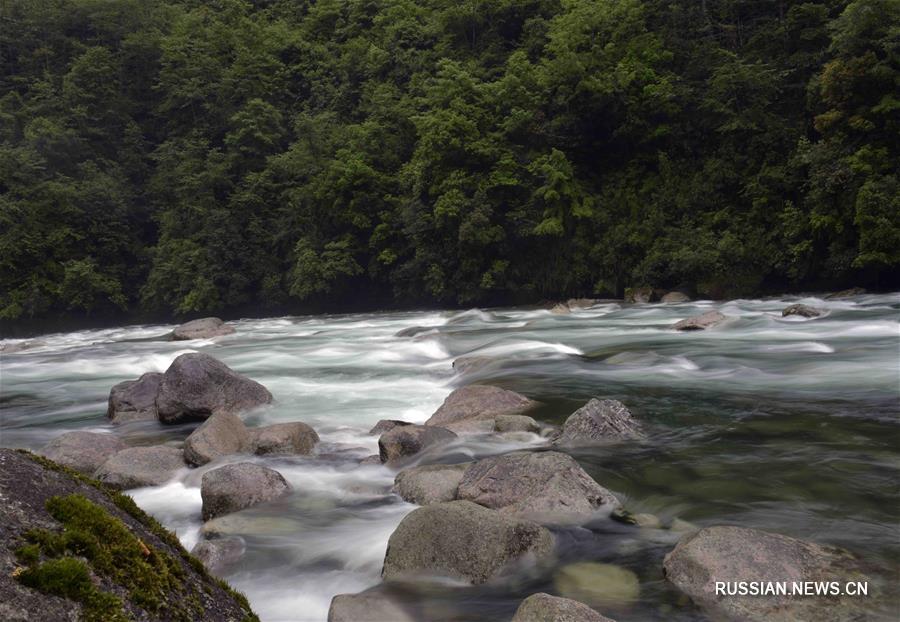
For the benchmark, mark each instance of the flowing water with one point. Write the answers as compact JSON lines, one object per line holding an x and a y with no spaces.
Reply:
{"x":785,"y":424}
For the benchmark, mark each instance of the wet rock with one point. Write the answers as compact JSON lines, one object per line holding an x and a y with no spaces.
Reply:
{"x":221,"y":435}
{"x":682,"y":525}
{"x":469,"y":364}
{"x":197,"y":386}
{"x":141,"y":466}
{"x":203,"y":328}
{"x":409,"y":440}
{"x":546,"y":608}
{"x":217,"y":555}
{"x":366,"y":607}
{"x":801,"y":310}
{"x":639,"y":294}
{"x":560,"y":308}
{"x":412,"y":331}
{"x":11,"y":347}
{"x":464,"y":541}
{"x":434,"y":483}
{"x":645,"y":519}
{"x":542,"y":486}
{"x":284,"y":438}
{"x":386,"y":425}
{"x":739,"y":554}
{"x":473,"y":408}
{"x":516,"y":423}
{"x":581,"y":303}
{"x":250,"y":524}
{"x":675,"y":297}
{"x":83,"y":451}
{"x":598,"y":585}
{"x":373,"y":459}
{"x":846,"y":293}
{"x":134,"y":400}
{"x":235,"y":487}
{"x":599,"y":421}
{"x":700,"y":322}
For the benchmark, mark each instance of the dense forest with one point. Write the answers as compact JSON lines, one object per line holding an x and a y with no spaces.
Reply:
{"x":177,"y":157}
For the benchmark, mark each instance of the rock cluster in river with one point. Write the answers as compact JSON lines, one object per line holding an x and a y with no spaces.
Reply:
{"x":475,"y":407}
{"x":203,"y":328}
{"x":801,"y":310}
{"x":408,"y":440}
{"x":700,"y":322}
{"x":235,"y":487}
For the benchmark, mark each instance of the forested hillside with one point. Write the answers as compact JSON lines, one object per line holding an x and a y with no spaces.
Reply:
{"x":188,"y":156}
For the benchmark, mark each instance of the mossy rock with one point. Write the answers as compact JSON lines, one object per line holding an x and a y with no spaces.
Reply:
{"x":598,"y":585}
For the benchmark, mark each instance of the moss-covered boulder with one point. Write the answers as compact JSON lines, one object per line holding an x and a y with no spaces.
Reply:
{"x":73,"y":549}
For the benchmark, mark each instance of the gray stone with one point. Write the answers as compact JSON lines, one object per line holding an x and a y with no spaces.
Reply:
{"x":639,"y":294}
{"x":221,"y":435}
{"x":598,"y":585}
{"x":700,"y":322}
{"x":470,"y":364}
{"x":468,"y":406}
{"x":675,"y":297}
{"x":218,"y":554}
{"x":464,"y":541}
{"x":235,"y":487}
{"x":386,"y":425}
{"x":516,"y":423}
{"x":284,"y":438}
{"x":546,"y":608}
{"x":739,"y":554}
{"x":141,"y":466}
{"x":366,"y":607}
{"x":370,"y":460}
{"x":801,"y":310}
{"x":134,"y":400}
{"x":408,"y":440}
{"x":541,"y":486}
{"x":846,"y":293}
{"x":203,"y":328}
{"x":434,"y":483}
{"x":599,"y":421}
{"x":83,"y":451}
{"x":197,"y":386}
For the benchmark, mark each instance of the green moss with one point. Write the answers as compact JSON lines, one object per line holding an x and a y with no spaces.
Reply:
{"x":28,"y":554}
{"x":71,"y":578}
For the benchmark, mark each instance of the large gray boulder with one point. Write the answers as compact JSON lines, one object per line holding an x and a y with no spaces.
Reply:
{"x":548,"y":487}
{"x":134,"y":400}
{"x":599,"y":421}
{"x":83,"y":451}
{"x":203,"y":328}
{"x":700,"y":322}
{"x":516,"y":423}
{"x":408,"y":440}
{"x":846,"y":293}
{"x":801,"y":310}
{"x":473,"y":408}
{"x":433,"y":483}
{"x":733,"y":554}
{"x":218,"y":554}
{"x":141,"y":466}
{"x":386,"y":425}
{"x":464,"y":541}
{"x":197,"y":386}
{"x":235,"y":487}
{"x":284,"y":438}
{"x":675,"y":297}
{"x":546,"y":608}
{"x":366,"y":607}
{"x":221,"y":435}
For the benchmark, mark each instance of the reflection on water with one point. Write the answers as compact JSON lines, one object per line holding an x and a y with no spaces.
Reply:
{"x":785,"y":424}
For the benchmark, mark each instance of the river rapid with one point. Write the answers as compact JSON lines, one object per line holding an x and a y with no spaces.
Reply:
{"x":785,"y":424}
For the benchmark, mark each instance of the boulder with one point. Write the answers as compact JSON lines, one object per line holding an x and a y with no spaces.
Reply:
{"x":197,"y":386}
{"x":801,"y":310}
{"x":83,"y":451}
{"x":700,"y":322}
{"x":545,"y":608}
{"x":599,"y":421}
{"x":366,"y":607}
{"x":374,"y":459}
{"x":674,"y":297}
{"x":560,"y":308}
{"x":541,"y":486}
{"x":284,"y":438}
{"x":846,"y":293}
{"x":203,"y":328}
{"x":217,"y":555}
{"x":639,"y":294}
{"x":408,"y":440}
{"x":386,"y":425}
{"x":516,"y":423}
{"x":581,"y":303}
{"x":473,"y":408}
{"x":433,"y":483}
{"x":412,"y":331}
{"x":134,"y":400}
{"x":470,"y":364}
{"x":141,"y":466}
{"x":598,"y":585}
{"x":235,"y":487}
{"x":731,"y":554}
{"x":221,"y":435}
{"x":464,"y":541}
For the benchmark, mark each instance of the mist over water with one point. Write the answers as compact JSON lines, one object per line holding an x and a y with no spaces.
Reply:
{"x":786,"y":424}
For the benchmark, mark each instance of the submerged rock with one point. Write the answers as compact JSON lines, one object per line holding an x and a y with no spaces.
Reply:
{"x":599,"y":421}
{"x":474,"y":407}
{"x":366,"y":607}
{"x":197,"y":386}
{"x":464,"y":541}
{"x":846,"y":293}
{"x":235,"y":487}
{"x":203,"y":328}
{"x":218,"y":554}
{"x":220,"y":435}
{"x":675,"y":297}
{"x":134,"y":400}
{"x":284,"y":438}
{"x":731,"y":554}
{"x":83,"y":451}
{"x":542,"y":486}
{"x":598,"y":585}
{"x":141,"y":466}
{"x":546,"y":608}
{"x":386,"y":425}
{"x":700,"y":322}
{"x":433,"y":483}
{"x":801,"y":310}
{"x":516,"y":423}
{"x":409,"y":440}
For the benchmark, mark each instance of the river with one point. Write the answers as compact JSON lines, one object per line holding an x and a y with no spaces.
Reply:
{"x":786,"y":424}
